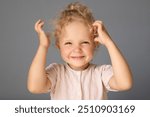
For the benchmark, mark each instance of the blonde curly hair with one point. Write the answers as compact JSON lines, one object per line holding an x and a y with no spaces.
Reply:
{"x":73,"y":12}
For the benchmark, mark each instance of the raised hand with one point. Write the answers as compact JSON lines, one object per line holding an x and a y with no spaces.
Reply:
{"x":44,"y":39}
{"x":101,"y":34}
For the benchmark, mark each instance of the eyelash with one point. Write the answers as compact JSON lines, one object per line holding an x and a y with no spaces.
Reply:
{"x":85,"y":42}
{"x":68,"y":43}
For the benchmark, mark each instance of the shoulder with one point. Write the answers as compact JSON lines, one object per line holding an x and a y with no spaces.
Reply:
{"x":55,"y":66}
{"x":100,"y":67}
{"x":102,"y":70}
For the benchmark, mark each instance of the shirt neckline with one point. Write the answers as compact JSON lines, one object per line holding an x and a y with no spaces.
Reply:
{"x":68,"y":67}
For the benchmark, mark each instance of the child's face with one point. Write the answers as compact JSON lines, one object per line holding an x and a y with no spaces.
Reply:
{"x":76,"y":45}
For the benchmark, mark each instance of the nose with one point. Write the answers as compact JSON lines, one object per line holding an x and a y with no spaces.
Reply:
{"x":77,"y":48}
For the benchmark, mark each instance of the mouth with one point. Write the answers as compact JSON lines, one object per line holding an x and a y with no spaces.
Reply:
{"x":77,"y":57}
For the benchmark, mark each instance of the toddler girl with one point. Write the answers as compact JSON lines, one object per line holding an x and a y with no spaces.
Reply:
{"x":77,"y":36}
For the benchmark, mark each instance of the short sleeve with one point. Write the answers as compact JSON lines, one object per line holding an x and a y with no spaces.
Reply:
{"x":106,"y":75}
{"x":51,"y":73}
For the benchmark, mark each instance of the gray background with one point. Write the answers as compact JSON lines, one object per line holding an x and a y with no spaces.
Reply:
{"x":127,"y":21}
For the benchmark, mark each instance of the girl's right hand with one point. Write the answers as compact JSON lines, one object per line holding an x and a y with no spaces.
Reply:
{"x":43,"y":37}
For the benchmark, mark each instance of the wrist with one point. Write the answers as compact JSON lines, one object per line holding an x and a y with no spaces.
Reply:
{"x":109,"y":43}
{"x":42,"y":47}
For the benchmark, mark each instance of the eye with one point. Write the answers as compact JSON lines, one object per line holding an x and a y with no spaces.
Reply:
{"x":68,"y":43}
{"x":85,"y":42}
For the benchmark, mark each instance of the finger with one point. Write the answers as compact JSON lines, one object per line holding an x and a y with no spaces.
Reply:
{"x":98,"y":41}
{"x":94,"y":31}
{"x":99,"y":25}
{"x":98,"y":22}
{"x":36,"y":24}
{"x":39,"y":25}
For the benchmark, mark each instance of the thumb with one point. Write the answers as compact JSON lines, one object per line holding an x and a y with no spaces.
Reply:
{"x":98,"y":40}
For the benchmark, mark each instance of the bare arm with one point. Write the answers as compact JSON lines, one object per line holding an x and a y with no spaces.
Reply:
{"x":37,"y":78}
{"x":122,"y":78}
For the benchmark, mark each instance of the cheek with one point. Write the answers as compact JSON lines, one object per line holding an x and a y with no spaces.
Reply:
{"x":89,"y":50}
{"x":64,"y":51}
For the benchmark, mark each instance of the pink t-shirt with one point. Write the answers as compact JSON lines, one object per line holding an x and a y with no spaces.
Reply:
{"x":89,"y":84}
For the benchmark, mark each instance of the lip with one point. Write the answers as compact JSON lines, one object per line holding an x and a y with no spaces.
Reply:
{"x":77,"y":57}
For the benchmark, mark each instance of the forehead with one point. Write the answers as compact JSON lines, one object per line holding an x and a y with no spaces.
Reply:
{"x":76,"y":29}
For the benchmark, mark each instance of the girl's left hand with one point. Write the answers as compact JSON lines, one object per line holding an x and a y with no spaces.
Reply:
{"x":102,"y":35}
